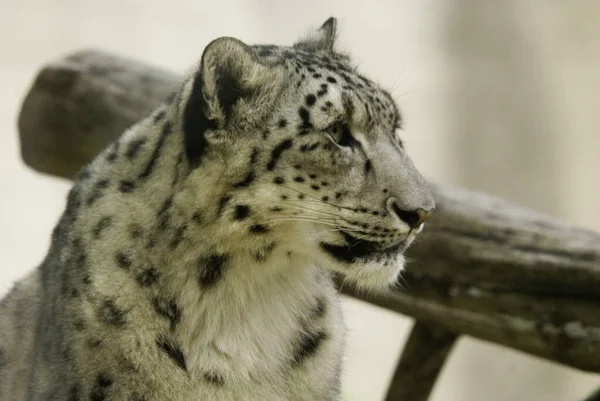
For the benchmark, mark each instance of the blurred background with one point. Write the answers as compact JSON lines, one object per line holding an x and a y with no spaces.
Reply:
{"x":498,"y":96}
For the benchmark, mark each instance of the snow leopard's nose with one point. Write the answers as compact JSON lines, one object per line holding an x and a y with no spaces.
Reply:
{"x":413,"y":218}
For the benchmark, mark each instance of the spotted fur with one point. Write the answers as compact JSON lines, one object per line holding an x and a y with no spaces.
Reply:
{"x":194,"y":259}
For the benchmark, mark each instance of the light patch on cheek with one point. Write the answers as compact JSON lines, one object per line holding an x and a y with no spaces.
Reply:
{"x":335,"y":96}
{"x":361,"y":138}
{"x":322,"y":117}
{"x":336,"y":112}
{"x":400,"y":262}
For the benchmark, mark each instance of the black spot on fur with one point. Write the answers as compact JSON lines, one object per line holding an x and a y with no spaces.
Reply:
{"x":151,"y":243}
{"x":147,"y":277}
{"x":282,"y":123}
{"x":133,"y":149}
{"x":319,"y":310}
{"x":97,"y":192}
{"x":310,"y":100}
{"x":159,"y":116}
{"x":277,"y":151}
{"x":111,"y":314}
{"x":178,"y":237}
{"x":325,"y":198}
{"x":79,"y":324}
{"x":313,"y":146}
{"x":163,"y":213}
{"x":173,"y":351}
{"x":197,"y":217}
{"x":279,"y":180}
{"x":258,"y":229}
{"x":177,"y":169}
{"x":113,"y":152}
{"x":262,"y":254}
{"x":104,"y":380}
{"x":249,"y":179}
{"x":196,"y":123}
{"x":299,"y":179}
{"x":323,"y":91}
{"x":308,"y":345}
{"x":84,"y":174}
{"x":138,"y":397}
{"x":222,"y":203}
{"x":123,"y":260}
{"x":211,"y":269}
{"x":305,"y":117}
{"x":315,"y":187}
{"x":332,"y":80}
{"x":167,"y":308}
{"x":241,"y":212}
{"x":98,"y":394}
{"x":93,"y":342}
{"x":135,"y":231}
{"x":149,"y":169}
{"x":102,"y":225}
{"x":126,"y":186}
{"x":254,"y":155}
{"x":368,"y":166}
{"x":100,"y":389}
{"x":214,"y":378}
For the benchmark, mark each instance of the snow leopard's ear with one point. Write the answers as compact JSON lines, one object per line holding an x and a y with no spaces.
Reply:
{"x":232,"y":91}
{"x":321,"y":39}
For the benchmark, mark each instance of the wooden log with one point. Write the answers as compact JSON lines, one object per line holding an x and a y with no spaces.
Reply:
{"x":114,"y":92}
{"x":426,"y":350}
{"x":483,"y":266}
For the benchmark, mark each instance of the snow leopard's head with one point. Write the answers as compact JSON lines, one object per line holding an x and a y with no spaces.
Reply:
{"x":308,"y":153}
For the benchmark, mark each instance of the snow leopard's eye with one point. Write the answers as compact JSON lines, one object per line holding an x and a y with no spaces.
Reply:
{"x":340,"y":133}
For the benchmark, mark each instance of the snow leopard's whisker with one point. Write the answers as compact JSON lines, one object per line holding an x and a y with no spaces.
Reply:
{"x":301,"y":219}
{"x":320,"y":201}
{"x":401,"y":282}
{"x":356,"y":243}
{"x":302,"y":216}
{"x":326,"y":216}
{"x":327,"y":203}
{"x":311,"y":210}
{"x":344,"y":228}
{"x":338,"y":230}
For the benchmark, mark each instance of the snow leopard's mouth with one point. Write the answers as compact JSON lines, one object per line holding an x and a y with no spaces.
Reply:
{"x":357,"y":249}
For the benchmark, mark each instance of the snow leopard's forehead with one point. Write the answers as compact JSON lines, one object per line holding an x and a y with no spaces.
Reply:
{"x":323,"y":70}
